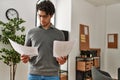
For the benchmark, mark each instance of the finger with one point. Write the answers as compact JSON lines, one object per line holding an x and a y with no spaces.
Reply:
{"x":24,"y":55}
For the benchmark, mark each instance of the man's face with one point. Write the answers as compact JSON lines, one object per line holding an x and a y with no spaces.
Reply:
{"x":44,"y":18}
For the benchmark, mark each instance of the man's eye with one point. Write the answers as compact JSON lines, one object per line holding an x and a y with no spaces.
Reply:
{"x":43,"y":16}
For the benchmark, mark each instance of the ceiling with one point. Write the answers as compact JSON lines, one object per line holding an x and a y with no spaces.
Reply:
{"x":103,"y":2}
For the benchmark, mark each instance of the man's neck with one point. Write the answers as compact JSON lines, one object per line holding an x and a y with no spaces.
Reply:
{"x":47,"y":26}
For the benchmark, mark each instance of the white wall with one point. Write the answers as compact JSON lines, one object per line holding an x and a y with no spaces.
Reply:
{"x":113,"y":26}
{"x":63,"y":14}
{"x":98,"y":37}
{"x":101,"y":20}
{"x":26,"y":9}
{"x":71,"y":13}
{"x":63,"y":19}
{"x":82,"y":13}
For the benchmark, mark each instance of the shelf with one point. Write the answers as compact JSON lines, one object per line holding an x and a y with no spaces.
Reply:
{"x":62,"y":71}
{"x":84,"y":65}
{"x":63,"y":75}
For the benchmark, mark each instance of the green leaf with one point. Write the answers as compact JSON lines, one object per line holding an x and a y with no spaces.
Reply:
{"x":9,"y":30}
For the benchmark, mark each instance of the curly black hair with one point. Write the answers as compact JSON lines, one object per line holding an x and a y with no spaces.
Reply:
{"x":46,"y":6}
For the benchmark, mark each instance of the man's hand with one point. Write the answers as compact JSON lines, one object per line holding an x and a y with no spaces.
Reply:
{"x":61,"y":60}
{"x":25,"y":58}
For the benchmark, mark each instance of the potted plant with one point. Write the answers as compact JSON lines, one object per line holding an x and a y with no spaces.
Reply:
{"x":7,"y":54}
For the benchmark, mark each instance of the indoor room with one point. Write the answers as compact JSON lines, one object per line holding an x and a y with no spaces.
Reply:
{"x":92,"y":24}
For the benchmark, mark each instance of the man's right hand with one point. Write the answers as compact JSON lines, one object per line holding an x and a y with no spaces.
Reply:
{"x":25,"y":58}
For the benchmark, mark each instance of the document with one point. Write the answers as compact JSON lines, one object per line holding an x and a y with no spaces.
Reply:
{"x":24,"y":50}
{"x":62,"y":48}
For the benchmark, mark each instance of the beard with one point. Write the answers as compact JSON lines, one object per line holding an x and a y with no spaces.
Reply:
{"x":44,"y":24}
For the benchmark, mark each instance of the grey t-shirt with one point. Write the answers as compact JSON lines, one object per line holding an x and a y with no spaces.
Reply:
{"x":44,"y":64}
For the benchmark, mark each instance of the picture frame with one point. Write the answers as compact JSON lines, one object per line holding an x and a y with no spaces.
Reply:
{"x":112,"y":40}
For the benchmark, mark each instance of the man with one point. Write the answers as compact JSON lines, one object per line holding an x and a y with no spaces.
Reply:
{"x":44,"y":66}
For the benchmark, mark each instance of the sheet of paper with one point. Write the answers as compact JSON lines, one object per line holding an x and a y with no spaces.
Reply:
{"x":62,"y":48}
{"x":31,"y":51}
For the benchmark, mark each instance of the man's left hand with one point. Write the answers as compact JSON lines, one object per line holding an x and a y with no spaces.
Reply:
{"x":61,"y":60}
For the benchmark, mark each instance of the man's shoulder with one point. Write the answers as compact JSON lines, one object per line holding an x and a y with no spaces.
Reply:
{"x":56,"y":29}
{"x":32,"y":30}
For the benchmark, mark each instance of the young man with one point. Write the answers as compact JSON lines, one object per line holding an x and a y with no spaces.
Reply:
{"x":44,"y":66}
